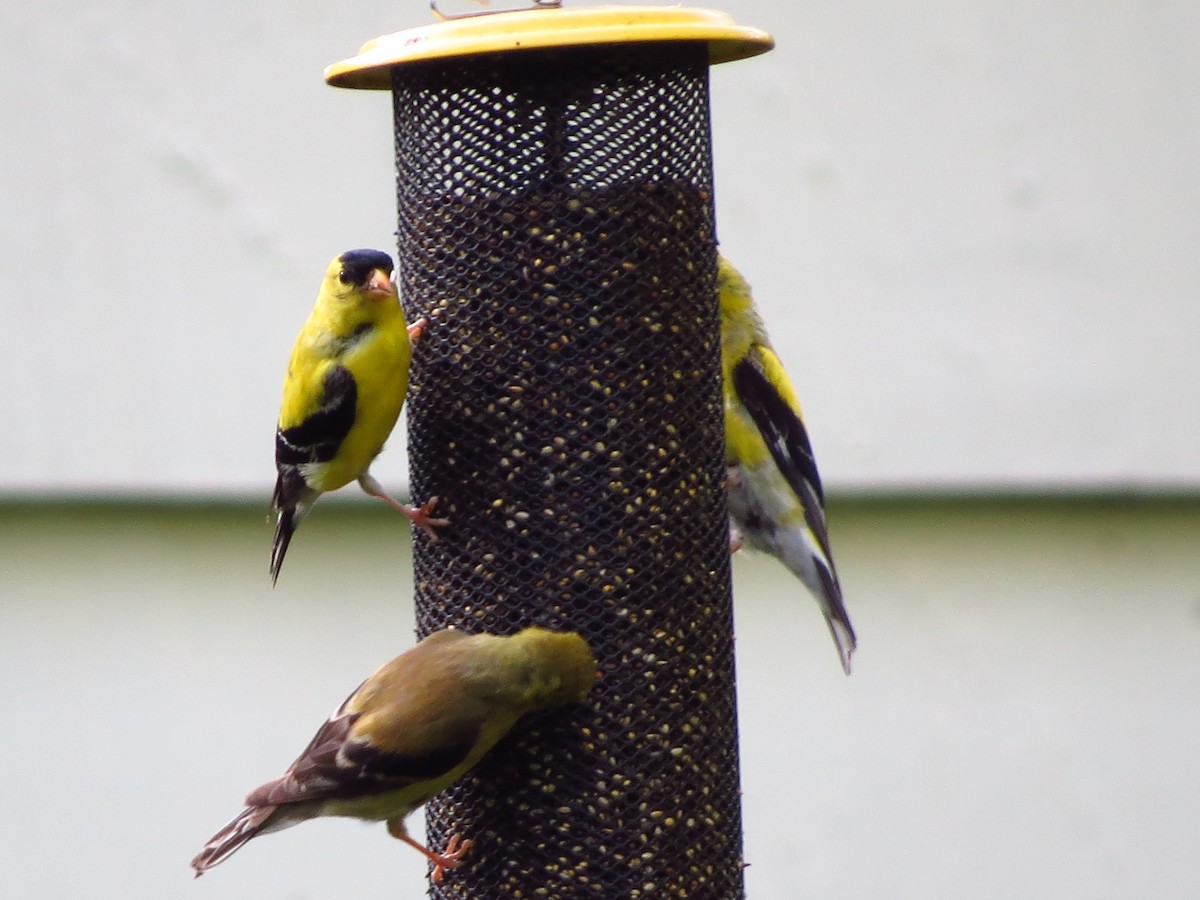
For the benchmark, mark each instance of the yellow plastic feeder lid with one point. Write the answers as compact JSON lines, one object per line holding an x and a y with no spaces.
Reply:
{"x":528,"y":29}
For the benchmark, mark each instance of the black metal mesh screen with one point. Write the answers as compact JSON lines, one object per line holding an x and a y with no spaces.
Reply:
{"x":556,"y":225}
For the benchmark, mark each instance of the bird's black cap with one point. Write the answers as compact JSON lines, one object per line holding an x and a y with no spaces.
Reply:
{"x":357,"y":265}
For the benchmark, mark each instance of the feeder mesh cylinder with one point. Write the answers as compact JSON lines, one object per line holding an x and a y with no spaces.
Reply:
{"x":556,"y":227}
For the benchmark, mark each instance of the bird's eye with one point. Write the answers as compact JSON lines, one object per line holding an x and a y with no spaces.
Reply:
{"x":344,"y":277}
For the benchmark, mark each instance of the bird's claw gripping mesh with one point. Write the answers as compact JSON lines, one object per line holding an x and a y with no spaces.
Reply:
{"x":556,"y":226}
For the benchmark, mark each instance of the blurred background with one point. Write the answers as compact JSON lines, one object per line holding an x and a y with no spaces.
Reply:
{"x":972,"y":227}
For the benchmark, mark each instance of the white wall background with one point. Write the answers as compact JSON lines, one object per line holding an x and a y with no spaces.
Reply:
{"x":1020,"y":725}
{"x":973,"y":225}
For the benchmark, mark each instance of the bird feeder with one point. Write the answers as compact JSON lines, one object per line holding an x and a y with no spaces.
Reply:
{"x":556,"y":226}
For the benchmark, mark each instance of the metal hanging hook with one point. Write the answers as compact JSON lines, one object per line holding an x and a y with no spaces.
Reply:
{"x":534,"y":4}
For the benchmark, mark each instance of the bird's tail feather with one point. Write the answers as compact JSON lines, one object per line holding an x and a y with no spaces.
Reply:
{"x":285,"y":527}
{"x":836,"y":617}
{"x":250,"y":822}
{"x":843,"y":638}
{"x":291,"y":501}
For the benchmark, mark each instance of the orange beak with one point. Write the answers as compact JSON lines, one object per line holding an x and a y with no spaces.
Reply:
{"x":380,"y":285}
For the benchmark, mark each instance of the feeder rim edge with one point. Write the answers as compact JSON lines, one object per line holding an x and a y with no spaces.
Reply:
{"x":544,"y":28}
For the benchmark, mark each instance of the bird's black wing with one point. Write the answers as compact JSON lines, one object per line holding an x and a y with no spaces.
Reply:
{"x":334,"y":767}
{"x":784,"y":432}
{"x":318,"y":437}
{"x":383,"y":770}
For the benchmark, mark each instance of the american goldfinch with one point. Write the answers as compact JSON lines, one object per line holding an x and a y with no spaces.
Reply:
{"x":775,"y":496}
{"x":411,"y":730}
{"x":345,"y":384}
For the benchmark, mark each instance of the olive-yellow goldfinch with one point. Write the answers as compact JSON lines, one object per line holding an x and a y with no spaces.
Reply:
{"x":345,"y":384}
{"x":775,"y":496}
{"x":411,"y":730}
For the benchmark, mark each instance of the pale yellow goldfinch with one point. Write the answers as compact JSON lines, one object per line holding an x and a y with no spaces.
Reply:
{"x":345,"y":384}
{"x":411,"y":730}
{"x":775,"y":496}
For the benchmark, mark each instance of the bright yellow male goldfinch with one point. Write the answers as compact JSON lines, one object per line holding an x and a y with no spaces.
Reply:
{"x":411,"y":730}
{"x":345,"y":384}
{"x":775,"y":496}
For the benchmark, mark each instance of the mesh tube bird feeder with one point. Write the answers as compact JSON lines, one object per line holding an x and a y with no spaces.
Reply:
{"x":555,"y":208}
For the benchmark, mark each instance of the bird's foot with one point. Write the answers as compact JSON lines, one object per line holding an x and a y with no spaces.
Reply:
{"x":450,"y":858}
{"x":422,"y":518}
{"x":417,"y":328}
{"x":419,"y":515}
{"x":733,"y":476}
{"x":735,"y":540}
